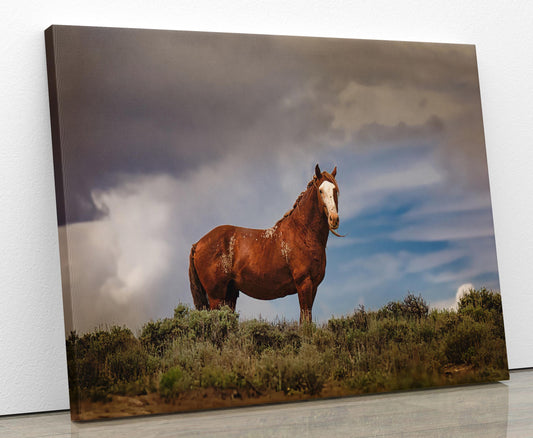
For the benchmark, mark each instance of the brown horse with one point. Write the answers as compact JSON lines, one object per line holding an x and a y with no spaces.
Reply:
{"x":289,"y":258}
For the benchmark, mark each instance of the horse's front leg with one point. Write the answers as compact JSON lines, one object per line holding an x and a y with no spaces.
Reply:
{"x":306,"y":296}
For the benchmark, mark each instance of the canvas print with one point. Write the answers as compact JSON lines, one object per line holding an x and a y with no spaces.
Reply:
{"x":248,"y":219}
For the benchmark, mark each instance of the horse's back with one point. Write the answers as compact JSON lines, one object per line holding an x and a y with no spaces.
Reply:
{"x":220,"y":232}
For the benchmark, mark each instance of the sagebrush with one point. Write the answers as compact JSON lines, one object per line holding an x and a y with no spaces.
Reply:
{"x":402,"y":345}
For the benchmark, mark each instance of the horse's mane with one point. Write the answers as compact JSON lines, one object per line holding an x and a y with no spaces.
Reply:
{"x":297,"y":202}
{"x":328,"y":176}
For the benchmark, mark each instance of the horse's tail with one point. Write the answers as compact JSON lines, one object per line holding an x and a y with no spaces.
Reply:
{"x":199,"y":295}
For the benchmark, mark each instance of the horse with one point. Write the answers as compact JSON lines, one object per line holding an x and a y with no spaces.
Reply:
{"x":288,"y":258}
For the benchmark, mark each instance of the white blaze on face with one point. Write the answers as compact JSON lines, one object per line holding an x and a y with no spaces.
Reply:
{"x":326,"y":191}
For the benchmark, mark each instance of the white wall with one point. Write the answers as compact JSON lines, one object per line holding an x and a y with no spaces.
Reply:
{"x":32,"y":357}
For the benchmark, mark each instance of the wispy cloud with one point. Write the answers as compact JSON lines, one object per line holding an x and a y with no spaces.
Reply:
{"x":460,"y":226}
{"x":372,"y":188}
{"x":450,"y":203}
{"x":424,"y":262}
{"x":480,"y":257}
{"x":345,"y":242}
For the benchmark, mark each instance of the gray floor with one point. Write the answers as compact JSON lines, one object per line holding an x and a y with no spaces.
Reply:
{"x":490,"y":410}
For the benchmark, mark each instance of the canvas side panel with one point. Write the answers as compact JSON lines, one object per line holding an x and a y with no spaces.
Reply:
{"x":50,"y":38}
{"x":478,"y":91}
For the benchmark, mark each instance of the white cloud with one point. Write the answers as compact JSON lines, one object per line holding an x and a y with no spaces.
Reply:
{"x":451,"y":303}
{"x":139,"y":217}
{"x":463,"y":290}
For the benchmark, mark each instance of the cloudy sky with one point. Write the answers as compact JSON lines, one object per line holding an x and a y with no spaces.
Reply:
{"x":166,"y":135}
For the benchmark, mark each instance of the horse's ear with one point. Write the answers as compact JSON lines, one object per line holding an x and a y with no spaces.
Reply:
{"x":334,"y":173}
{"x":318,"y":173}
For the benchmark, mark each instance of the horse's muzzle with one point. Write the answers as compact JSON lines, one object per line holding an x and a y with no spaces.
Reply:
{"x":333,"y":220}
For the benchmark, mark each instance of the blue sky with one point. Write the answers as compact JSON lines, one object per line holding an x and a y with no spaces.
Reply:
{"x":409,"y":229}
{"x":169,"y":134}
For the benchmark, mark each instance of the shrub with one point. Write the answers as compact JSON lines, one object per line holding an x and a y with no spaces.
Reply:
{"x":347,"y":330}
{"x":212,"y":326}
{"x":213,"y":376}
{"x":393,"y":309}
{"x":260,"y":335}
{"x":173,"y":382}
{"x":323,"y":340}
{"x":399,"y":346}
{"x":480,"y":299}
{"x":129,"y":364}
{"x":461,"y":344}
{"x":105,"y":357}
{"x":157,"y":336}
{"x":301,"y":373}
{"x":412,"y":306}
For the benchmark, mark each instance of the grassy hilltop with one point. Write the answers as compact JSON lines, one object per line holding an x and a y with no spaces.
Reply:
{"x":204,"y":359}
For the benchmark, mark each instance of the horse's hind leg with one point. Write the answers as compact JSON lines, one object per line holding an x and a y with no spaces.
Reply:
{"x":232,"y":294}
{"x":215,"y":303}
{"x":229,"y":297}
{"x":217,"y":296}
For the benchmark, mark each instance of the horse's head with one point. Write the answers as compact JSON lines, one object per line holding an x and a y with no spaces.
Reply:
{"x":328,"y":196}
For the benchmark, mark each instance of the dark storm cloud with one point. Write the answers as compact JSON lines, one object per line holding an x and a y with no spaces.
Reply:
{"x":148,"y":102}
{"x":166,"y":135}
